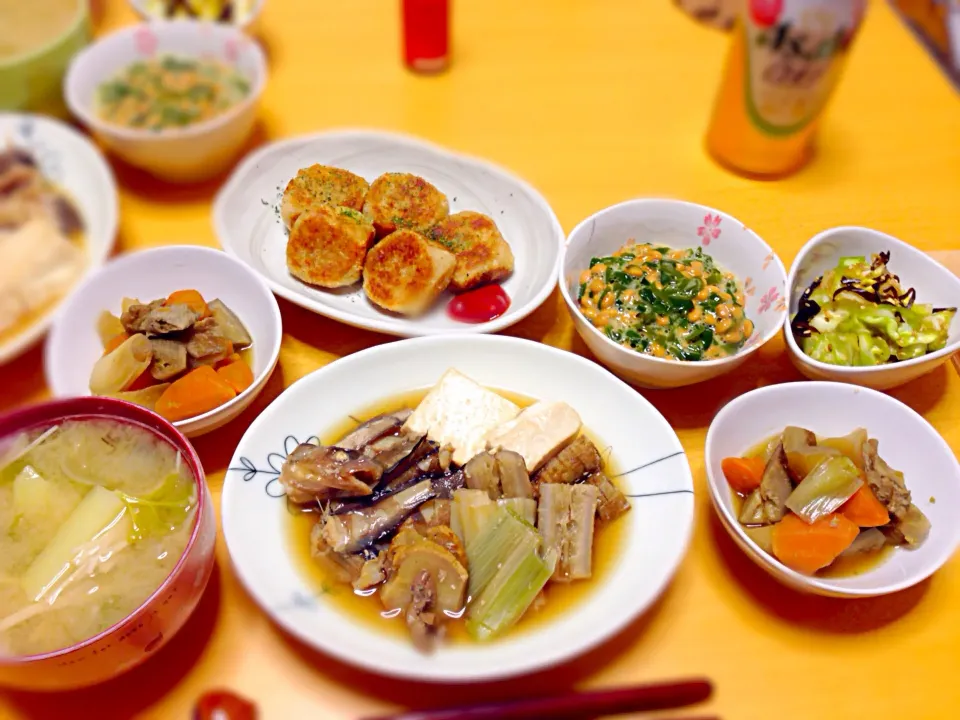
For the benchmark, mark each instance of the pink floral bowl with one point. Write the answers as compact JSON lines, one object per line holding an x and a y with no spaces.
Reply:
{"x":679,"y":225}
{"x":139,"y":635}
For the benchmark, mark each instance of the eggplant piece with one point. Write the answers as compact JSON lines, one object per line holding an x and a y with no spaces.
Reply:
{"x":446,"y":484}
{"x":481,"y":474}
{"x":565,"y":518}
{"x":612,"y":503}
{"x":351,"y":532}
{"x":230,"y":326}
{"x":317,"y":473}
{"x":169,"y":359}
{"x":390,"y":450}
{"x":577,"y":459}
{"x":887,"y":484}
{"x":424,"y":460}
{"x":775,"y":487}
{"x":374,"y":429}
{"x":514,"y":479}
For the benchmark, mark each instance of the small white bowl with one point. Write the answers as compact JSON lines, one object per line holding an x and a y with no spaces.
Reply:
{"x":679,"y":225}
{"x":74,"y":346}
{"x":935,"y":285}
{"x":246,"y":23}
{"x":906,"y":441}
{"x":188,"y":154}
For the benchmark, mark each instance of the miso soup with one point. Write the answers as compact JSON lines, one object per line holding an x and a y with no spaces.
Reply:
{"x":94,"y":515}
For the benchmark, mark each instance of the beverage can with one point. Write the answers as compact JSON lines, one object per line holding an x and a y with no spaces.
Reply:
{"x":785,"y":60}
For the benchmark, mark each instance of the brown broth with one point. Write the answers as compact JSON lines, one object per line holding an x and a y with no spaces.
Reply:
{"x":560,"y":598}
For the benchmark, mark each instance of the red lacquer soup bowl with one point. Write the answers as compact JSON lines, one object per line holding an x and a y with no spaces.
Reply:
{"x":143,"y":632}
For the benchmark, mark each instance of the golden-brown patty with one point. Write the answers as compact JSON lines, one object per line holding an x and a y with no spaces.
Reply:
{"x":327,"y":246}
{"x":321,"y":185}
{"x":401,"y":201}
{"x":483,"y":256}
{"x":405,"y":272}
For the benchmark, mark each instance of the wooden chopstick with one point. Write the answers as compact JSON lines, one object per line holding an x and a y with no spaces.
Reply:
{"x":575,"y":706}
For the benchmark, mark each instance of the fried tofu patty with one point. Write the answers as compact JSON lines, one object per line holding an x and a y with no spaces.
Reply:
{"x":401,"y":201}
{"x":327,"y":246}
{"x":405,"y":272}
{"x":321,"y":185}
{"x":483,"y":256}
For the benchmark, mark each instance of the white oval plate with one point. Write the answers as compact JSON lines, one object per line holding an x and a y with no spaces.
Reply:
{"x":75,"y":164}
{"x":644,"y":445}
{"x":248,"y":224}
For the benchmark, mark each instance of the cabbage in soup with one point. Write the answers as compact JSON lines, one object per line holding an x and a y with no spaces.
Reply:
{"x":94,"y":515}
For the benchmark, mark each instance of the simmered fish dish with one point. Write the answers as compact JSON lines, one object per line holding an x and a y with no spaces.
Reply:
{"x":459,"y":510}
{"x":820,"y":505}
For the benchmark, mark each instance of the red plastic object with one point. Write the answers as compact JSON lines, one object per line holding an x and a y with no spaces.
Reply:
{"x":481,"y":305}
{"x":426,"y":34}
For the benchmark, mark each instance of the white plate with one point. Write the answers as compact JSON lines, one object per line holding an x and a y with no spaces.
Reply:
{"x":659,"y":524}
{"x":74,"y":346}
{"x":906,"y":441}
{"x":73,"y":163}
{"x":248,"y":224}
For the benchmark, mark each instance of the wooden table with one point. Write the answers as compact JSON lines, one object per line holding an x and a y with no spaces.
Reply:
{"x":593,"y":102}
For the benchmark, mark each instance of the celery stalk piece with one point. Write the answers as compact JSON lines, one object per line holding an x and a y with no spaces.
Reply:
{"x":505,"y":538}
{"x":98,"y":512}
{"x":508,"y":595}
{"x":825,"y":489}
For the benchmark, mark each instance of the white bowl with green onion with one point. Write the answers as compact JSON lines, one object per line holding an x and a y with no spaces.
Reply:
{"x":652,"y":470}
{"x":921,"y":330}
{"x":905,"y":441}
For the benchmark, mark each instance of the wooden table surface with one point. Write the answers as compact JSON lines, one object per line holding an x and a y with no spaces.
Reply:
{"x":592,"y":102}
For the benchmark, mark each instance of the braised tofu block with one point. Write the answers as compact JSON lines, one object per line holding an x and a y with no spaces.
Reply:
{"x":483,"y":256}
{"x":327,"y":246}
{"x":538,"y":433}
{"x":401,"y":201}
{"x":405,"y":272}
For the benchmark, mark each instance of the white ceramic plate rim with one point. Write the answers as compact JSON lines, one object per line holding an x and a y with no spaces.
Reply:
{"x":17,"y":344}
{"x":390,"y":326}
{"x":718,"y":362}
{"x":82,"y":107}
{"x":605,"y":627}
{"x":824,"y":585}
{"x":887,"y":240}
{"x":274,"y":309}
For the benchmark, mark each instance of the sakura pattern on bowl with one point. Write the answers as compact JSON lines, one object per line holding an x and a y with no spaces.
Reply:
{"x":186,"y":154}
{"x":679,"y":225}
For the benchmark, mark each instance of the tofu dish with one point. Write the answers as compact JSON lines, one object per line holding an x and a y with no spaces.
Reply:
{"x":41,"y":242}
{"x":458,"y":511}
{"x":395,"y":235}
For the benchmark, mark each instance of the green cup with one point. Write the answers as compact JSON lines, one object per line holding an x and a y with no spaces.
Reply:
{"x":33,"y":81}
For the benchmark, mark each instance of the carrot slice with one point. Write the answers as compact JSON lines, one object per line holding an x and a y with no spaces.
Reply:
{"x":238,"y":375}
{"x":864,"y":509}
{"x":743,"y":474}
{"x":197,"y":392}
{"x":192,"y":299}
{"x":114,"y":342}
{"x":808,"y":548}
{"x":229,"y":360}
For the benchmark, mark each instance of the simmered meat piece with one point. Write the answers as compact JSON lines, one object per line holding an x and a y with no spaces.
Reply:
{"x":573,"y":462}
{"x":169,"y":359}
{"x":775,"y":487}
{"x":317,"y":473}
{"x":887,"y":484}
{"x":206,"y":345}
{"x":158,"y":319}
